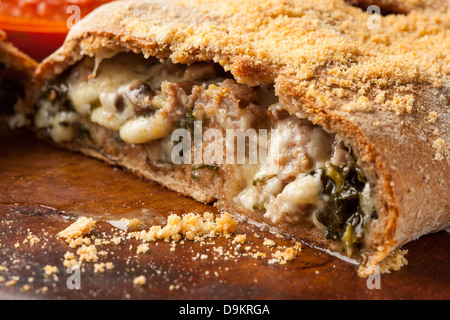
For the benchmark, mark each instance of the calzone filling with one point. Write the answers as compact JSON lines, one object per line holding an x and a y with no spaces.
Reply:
{"x":139,"y":103}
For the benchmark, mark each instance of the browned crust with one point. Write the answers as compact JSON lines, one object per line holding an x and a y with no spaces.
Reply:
{"x":270,"y":41}
{"x":14,"y":58}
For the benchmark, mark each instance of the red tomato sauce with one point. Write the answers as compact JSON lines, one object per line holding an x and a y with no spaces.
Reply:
{"x":39,"y":27}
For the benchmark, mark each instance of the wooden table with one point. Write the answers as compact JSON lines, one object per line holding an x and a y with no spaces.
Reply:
{"x":42,"y":188}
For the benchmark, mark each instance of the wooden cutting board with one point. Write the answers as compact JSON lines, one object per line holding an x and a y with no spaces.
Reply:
{"x":43,"y":188}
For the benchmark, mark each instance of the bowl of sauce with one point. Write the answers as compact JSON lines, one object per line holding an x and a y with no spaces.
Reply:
{"x":39,"y":27}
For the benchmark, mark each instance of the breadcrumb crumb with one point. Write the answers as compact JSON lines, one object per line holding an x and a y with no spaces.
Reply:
{"x":88,"y":253}
{"x":394,"y":261}
{"x":432,"y":117}
{"x":82,"y":226}
{"x":143,"y":248}
{"x":240,"y":238}
{"x":268,"y":242}
{"x":50,"y":270}
{"x":190,"y":227}
{"x":140,"y":281}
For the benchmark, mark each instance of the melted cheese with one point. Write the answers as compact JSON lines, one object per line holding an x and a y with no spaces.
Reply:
{"x":305,"y":190}
{"x":62,"y":129}
{"x":95,"y":96}
{"x":144,"y":129}
{"x":95,"y":85}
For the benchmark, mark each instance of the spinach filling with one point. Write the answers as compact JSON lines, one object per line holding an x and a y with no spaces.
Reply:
{"x":57,"y":93}
{"x":342,"y":214}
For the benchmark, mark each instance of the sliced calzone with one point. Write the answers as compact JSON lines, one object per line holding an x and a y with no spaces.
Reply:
{"x":344,"y":127}
{"x":16,"y":73}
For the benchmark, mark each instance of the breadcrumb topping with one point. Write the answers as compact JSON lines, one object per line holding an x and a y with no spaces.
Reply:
{"x":432,"y":117}
{"x":400,"y":104}
{"x":323,"y":56}
{"x":316,"y":46}
{"x":442,"y":149}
